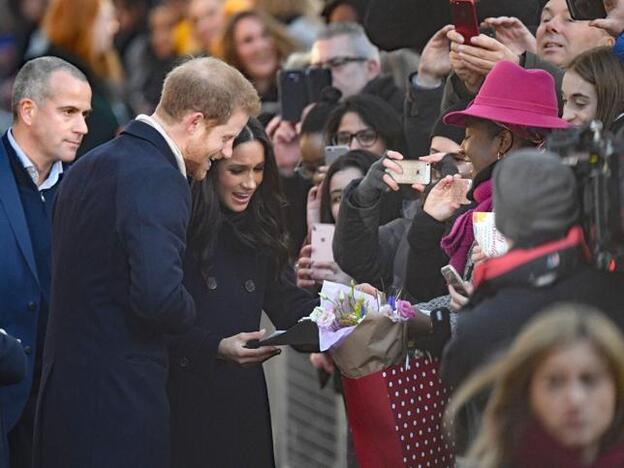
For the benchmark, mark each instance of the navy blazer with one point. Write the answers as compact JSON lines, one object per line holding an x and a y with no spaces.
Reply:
{"x":119,"y":234}
{"x":20,"y":291}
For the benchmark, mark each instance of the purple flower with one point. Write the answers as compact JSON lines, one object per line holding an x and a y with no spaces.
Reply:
{"x":405,"y":310}
{"x":326,"y":320}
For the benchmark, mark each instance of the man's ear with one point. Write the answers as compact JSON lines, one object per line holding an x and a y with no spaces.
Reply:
{"x":193,"y":122}
{"x":26,"y":110}
{"x":606,"y":40}
{"x":373,"y":68}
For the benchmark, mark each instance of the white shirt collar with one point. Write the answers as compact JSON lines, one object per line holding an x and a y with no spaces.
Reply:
{"x":172,"y":144}
{"x":55,"y":171}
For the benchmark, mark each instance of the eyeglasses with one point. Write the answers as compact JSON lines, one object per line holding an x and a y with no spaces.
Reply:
{"x":338,"y":62}
{"x":365,"y":138}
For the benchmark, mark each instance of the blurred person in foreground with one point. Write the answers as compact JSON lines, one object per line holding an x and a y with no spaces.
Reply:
{"x":81,"y":32}
{"x":51,"y":100}
{"x":537,"y":207}
{"x":120,"y":228}
{"x":207,"y":18}
{"x":557,"y":395}
{"x":12,"y":371}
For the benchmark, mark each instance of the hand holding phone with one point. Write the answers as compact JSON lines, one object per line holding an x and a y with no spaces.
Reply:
{"x":322,"y":238}
{"x":414,"y":172}
{"x":454,"y":279}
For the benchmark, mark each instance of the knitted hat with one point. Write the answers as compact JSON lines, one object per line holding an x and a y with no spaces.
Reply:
{"x":535,"y":197}
{"x":451,"y":132}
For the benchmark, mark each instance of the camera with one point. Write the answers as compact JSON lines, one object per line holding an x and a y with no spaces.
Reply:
{"x":597,"y":160}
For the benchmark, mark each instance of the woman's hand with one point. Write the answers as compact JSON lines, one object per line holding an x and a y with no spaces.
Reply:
{"x":285,"y":145}
{"x":322,"y":361}
{"x":233,"y":349}
{"x":328,"y":271}
{"x":302,"y":268}
{"x":478,"y":256}
{"x":377,"y":180}
{"x":442,"y":201}
{"x":512,"y":33}
{"x":459,"y":300}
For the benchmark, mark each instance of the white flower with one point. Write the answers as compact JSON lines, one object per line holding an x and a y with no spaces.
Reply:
{"x":327,"y":319}
{"x":316,"y":313}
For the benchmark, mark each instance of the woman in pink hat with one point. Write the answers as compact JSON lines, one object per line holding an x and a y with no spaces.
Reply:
{"x":514,"y":108}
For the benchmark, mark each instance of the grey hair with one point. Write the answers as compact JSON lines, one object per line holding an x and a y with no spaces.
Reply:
{"x":33,"y":79}
{"x":358,"y":39}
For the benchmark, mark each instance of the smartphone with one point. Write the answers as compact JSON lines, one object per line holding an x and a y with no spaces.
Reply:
{"x":333,"y":152}
{"x":322,"y":238}
{"x":454,"y":279}
{"x":414,"y":172}
{"x":317,"y":79}
{"x":464,"y":15}
{"x":583,"y":10}
{"x":292,"y":92}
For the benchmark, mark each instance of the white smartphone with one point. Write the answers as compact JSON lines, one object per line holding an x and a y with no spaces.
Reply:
{"x":322,"y":238}
{"x":414,"y":172}
{"x":454,"y":279}
{"x":333,"y":152}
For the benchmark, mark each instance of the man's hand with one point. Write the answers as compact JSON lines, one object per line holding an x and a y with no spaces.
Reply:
{"x":512,"y":33}
{"x":471,"y":79}
{"x":483,"y":54}
{"x":434,"y":62}
{"x":233,"y":349}
{"x":614,"y":22}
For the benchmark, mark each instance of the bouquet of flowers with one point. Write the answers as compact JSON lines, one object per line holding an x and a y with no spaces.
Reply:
{"x":364,"y":332}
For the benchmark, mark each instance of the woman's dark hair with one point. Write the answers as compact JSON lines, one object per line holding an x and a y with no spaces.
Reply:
{"x":359,"y":159}
{"x":375,"y":113}
{"x":264,"y":226}
{"x":316,"y":119}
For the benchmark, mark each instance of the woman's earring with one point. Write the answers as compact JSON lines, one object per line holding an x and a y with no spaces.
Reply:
{"x":499,"y":156}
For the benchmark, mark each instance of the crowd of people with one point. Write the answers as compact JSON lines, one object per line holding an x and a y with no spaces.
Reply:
{"x":155,"y":200}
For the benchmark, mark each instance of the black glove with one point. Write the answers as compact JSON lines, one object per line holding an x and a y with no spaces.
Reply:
{"x":372,"y":186}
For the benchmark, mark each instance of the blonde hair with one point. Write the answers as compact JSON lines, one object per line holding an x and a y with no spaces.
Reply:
{"x":508,"y":409}
{"x":288,"y":8}
{"x":209,"y":86}
{"x":284,"y":44}
{"x":68,"y":24}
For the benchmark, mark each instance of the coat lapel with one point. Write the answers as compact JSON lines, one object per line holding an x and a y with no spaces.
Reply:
{"x":10,"y":201}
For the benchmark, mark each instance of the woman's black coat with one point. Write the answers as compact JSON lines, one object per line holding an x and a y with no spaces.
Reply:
{"x":220,"y":410}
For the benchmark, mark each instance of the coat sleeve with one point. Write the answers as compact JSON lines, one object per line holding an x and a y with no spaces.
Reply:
{"x":284,"y":302}
{"x":357,"y":245}
{"x":12,"y":360}
{"x":426,"y":257}
{"x":154,"y":211}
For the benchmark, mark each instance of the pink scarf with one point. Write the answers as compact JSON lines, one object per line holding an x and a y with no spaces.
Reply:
{"x":457,"y":243}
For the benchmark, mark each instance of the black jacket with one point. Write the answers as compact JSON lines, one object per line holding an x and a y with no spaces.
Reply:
{"x":422,"y":109}
{"x":220,"y":410}
{"x":502,"y":305}
{"x":12,"y":371}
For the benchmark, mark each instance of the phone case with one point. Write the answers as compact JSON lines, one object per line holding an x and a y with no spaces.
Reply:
{"x":584,"y":10}
{"x":452,"y":277}
{"x":464,"y":15}
{"x":293,"y":94}
{"x":322,"y":238}
{"x":333,"y":152}
{"x":414,"y":172}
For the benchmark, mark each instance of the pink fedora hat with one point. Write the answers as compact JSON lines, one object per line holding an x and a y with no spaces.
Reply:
{"x":510,"y":94}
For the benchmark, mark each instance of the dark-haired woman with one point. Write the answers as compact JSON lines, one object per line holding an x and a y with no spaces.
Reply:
{"x":236,"y":267}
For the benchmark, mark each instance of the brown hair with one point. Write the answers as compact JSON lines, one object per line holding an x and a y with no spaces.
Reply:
{"x":286,"y":8}
{"x":605,"y":72}
{"x":508,"y":410}
{"x":68,"y":24}
{"x":284,"y":44}
{"x":209,"y":86}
